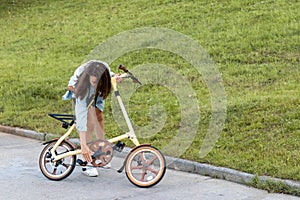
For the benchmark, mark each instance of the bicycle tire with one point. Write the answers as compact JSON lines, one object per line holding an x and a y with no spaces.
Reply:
{"x":63,"y":168}
{"x":145,"y":166}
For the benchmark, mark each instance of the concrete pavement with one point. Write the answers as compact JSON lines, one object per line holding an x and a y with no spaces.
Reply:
{"x":20,"y":178}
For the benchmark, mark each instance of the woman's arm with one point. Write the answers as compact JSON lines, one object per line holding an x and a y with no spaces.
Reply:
{"x":81,"y":112}
{"x":85,"y":151}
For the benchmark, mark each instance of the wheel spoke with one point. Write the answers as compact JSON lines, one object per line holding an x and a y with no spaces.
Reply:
{"x":65,"y":165}
{"x":152,"y":170}
{"x":54,"y":171}
{"x":143,"y":176}
{"x":141,"y":155}
{"x":136,"y":167}
{"x":152,"y":160}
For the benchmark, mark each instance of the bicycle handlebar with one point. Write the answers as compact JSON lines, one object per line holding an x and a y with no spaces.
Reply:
{"x":121,"y":67}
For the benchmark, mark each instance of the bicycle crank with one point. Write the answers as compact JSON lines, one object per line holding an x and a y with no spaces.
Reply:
{"x":103,"y":152}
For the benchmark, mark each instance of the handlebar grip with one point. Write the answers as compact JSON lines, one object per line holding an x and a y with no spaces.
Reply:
{"x":129,"y":73}
{"x":123,"y":68}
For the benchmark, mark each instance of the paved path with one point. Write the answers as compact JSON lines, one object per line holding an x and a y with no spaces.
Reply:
{"x":20,"y":178}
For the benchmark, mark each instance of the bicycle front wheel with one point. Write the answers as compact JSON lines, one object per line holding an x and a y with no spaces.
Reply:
{"x":60,"y":169}
{"x":145,"y":166}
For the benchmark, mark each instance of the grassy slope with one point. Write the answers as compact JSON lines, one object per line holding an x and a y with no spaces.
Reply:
{"x":255,"y":45}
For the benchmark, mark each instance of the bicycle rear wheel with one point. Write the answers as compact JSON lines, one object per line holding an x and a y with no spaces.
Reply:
{"x":145,"y":166}
{"x":61,"y":168}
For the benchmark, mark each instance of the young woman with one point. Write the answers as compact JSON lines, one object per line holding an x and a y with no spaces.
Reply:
{"x":92,"y":87}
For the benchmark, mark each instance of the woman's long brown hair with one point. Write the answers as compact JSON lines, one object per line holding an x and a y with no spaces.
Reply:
{"x":103,"y":87}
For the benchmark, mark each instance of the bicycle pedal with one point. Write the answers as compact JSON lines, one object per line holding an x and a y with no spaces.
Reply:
{"x":81,"y":162}
{"x":119,"y":146}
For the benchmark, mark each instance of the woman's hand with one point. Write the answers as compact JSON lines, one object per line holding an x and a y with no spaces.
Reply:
{"x":118,"y":78}
{"x":86,"y":153}
{"x":85,"y":150}
{"x":71,"y":88}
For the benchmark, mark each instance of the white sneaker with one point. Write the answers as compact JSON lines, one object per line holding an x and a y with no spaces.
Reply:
{"x":107,"y":166}
{"x":90,"y":171}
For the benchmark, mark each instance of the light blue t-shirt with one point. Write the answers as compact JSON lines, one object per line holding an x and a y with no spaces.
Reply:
{"x":81,"y":109}
{"x":81,"y":105}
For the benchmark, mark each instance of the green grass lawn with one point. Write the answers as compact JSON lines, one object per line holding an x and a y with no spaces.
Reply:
{"x":254,"y":44}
